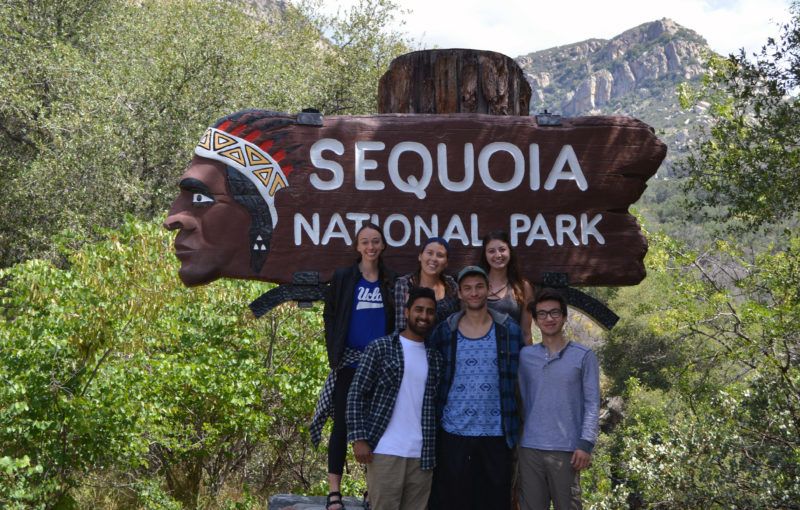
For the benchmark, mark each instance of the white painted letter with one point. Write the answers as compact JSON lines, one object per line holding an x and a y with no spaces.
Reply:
{"x":519,"y":223}
{"x":533,"y":155}
{"x":565,"y":224}
{"x":411,"y":184}
{"x":387,"y":229}
{"x":359,"y":219}
{"x":540,"y":232}
{"x":469,"y":168}
{"x":590,"y":228}
{"x":363,"y":164}
{"x":519,"y":166}
{"x":335,"y":146}
{"x":473,"y":230}
{"x":336,"y":229}
{"x":566,"y":157}
{"x":455,"y":230}
{"x":420,"y":226}
{"x":312,"y":230}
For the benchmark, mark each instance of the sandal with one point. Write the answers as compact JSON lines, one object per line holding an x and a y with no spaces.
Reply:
{"x":329,"y":503}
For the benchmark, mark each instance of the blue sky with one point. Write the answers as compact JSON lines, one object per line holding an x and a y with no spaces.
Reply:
{"x":516,"y":27}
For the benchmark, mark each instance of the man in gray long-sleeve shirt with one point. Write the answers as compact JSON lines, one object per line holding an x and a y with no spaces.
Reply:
{"x":560,"y":387}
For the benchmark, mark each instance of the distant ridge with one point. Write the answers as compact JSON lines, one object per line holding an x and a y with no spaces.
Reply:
{"x":599,"y":76}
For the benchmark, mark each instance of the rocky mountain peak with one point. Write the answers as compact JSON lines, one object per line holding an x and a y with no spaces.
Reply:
{"x":645,"y":34}
{"x":605,"y":76}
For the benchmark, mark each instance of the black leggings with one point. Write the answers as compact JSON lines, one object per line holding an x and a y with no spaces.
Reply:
{"x":337,"y":444}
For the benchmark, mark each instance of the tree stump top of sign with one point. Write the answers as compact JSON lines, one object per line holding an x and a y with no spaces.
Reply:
{"x":454,"y":81}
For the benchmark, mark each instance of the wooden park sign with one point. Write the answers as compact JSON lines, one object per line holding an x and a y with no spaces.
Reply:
{"x":279,"y":198}
{"x":268,"y":195}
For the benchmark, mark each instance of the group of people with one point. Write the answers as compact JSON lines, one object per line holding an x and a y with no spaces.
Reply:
{"x":438,"y":388}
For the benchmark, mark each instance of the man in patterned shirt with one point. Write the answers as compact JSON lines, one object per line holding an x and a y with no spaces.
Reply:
{"x":391,"y":410}
{"x":478,"y":409}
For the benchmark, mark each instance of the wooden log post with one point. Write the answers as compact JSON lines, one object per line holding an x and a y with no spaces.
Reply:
{"x":454,"y":81}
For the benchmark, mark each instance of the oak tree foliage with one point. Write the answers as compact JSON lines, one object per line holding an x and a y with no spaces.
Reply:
{"x":748,"y":157}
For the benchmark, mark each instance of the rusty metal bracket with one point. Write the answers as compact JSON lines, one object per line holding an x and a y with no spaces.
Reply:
{"x":309,"y":117}
{"x":546,"y":118}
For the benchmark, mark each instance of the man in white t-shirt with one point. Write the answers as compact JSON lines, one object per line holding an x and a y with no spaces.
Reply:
{"x":391,"y":410}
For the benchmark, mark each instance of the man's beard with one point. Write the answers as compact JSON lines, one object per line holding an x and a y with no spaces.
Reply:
{"x":417,"y":330}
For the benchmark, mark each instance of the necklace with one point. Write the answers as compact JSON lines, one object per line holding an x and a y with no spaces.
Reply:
{"x":497,"y":292}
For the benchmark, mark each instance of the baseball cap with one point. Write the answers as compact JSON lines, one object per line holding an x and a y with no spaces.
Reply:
{"x":470,"y":270}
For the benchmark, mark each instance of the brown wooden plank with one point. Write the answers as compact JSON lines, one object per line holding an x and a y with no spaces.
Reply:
{"x":446,"y":84}
{"x":616,"y":156}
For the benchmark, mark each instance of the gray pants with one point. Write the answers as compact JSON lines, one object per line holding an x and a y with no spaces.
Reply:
{"x":546,"y":476}
{"x":397,"y":483}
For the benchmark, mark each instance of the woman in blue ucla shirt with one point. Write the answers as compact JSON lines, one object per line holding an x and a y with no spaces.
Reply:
{"x":358,"y":309}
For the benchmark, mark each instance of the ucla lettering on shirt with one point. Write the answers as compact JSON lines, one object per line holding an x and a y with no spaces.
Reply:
{"x":369,"y":298}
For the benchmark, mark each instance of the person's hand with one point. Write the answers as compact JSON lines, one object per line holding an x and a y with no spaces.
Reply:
{"x":580,"y":460}
{"x":362,"y":451}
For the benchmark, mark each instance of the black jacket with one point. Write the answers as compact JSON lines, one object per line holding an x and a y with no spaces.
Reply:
{"x":339,"y":306}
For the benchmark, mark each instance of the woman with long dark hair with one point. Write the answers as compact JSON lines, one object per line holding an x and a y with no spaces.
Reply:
{"x":432,"y":262}
{"x":509,"y":292}
{"x":358,"y":309}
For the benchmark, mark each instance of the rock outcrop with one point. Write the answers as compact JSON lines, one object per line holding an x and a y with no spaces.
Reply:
{"x":597,"y":76}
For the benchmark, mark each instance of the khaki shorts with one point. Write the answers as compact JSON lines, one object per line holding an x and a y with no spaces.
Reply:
{"x":397,"y":483}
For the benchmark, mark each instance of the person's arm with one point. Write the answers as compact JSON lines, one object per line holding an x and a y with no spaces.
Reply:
{"x":400,"y":297}
{"x":387,"y":295}
{"x":526,"y":319}
{"x":591,"y":410}
{"x":357,"y":399}
{"x":435,"y":338}
{"x":329,"y":311}
{"x":452,"y":293}
{"x":435,"y":341}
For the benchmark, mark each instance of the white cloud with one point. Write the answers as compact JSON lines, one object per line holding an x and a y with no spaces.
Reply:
{"x":516,"y":27}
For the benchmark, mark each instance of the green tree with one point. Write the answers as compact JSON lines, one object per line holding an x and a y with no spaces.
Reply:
{"x":720,"y":428}
{"x":747,"y":159}
{"x":114,"y":375}
{"x":712,"y":407}
{"x":363,"y":44}
{"x":119,"y":386}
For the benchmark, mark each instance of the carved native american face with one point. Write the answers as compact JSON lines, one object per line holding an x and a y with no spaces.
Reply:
{"x":212,"y":226}
{"x":225,"y":210}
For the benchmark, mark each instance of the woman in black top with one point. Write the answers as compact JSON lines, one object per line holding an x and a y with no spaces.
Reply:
{"x":358,"y":309}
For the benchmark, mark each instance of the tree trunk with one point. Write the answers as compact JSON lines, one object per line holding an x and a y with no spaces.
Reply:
{"x":454,"y":81}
